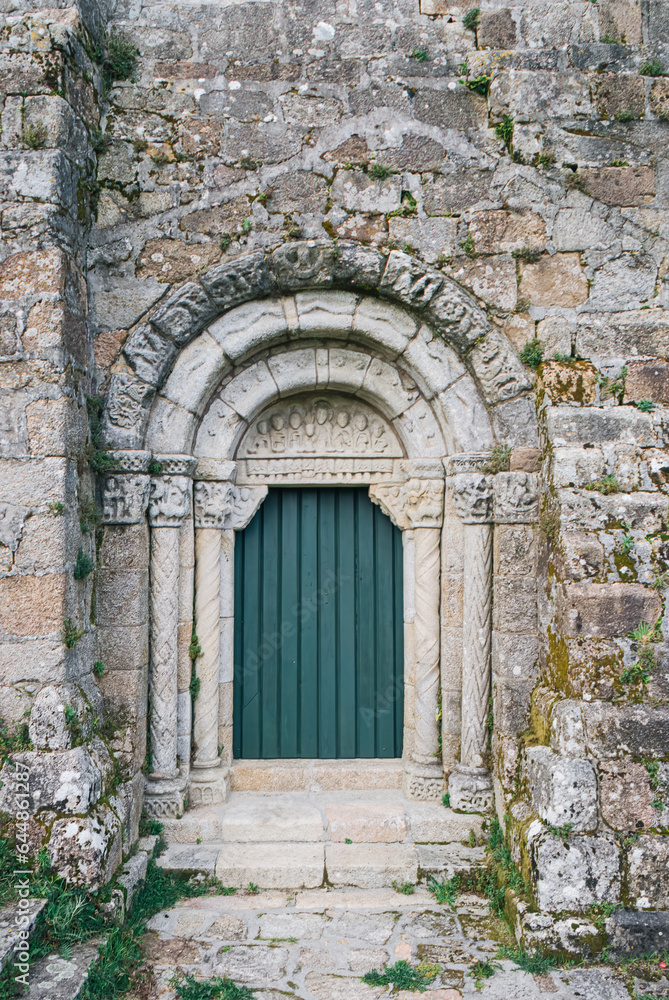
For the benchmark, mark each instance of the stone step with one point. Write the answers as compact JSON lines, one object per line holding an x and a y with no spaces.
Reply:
{"x":271,"y":819}
{"x":56,"y":978}
{"x":294,"y":865}
{"x":257,"y":817}
{"x":315,"y":775}
{"x":15,"y":918}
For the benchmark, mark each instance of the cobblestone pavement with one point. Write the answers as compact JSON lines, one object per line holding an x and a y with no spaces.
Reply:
{"x":316,"y":945}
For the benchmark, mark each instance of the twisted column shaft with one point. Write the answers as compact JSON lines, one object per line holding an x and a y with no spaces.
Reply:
{"x":207,"y":615}
{"x":476,"y":642}
{"x":164,"y":649}
{"x":426,"y":632}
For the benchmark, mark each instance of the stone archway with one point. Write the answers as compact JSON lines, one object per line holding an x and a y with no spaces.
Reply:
{"x":193,"y":397}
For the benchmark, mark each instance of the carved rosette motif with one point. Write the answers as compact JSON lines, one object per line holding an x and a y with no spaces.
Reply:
{"x":125,"y":499}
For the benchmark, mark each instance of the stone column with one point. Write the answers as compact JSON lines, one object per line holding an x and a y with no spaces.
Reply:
{"x":418,"y":505}
{"x":209,"y":782}
{"x":169,"y":506}
{"x":470,"y":784}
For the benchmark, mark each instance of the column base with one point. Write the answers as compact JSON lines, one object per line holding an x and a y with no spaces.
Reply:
{"x":164,"y":797}
{"x":423,"y":781}
{"x":470,"y":789}
{"x":209,"y":786}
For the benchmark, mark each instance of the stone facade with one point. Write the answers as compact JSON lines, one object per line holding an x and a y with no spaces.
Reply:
{"x":359,"y":218}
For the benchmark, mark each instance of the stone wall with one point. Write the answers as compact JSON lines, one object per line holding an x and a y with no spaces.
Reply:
{"x":525,"y":158}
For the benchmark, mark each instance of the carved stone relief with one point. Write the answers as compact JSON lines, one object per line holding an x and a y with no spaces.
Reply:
{"x":125,"y":400}
{"x":169,"y":501}
{"x":318,"y":425}
{"x":472,"y":497}
{"x":124,"y":499}
{"x":212,"y":503}
{"x":516,"y":497}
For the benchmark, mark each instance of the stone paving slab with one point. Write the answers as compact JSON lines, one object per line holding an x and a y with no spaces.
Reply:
{"x":319,"y":944}
{"x":271,"y":866}
{"x":190,"y":859}
{"x":366,"y":822}
{"x":443,"y":860}
{"x":58,"y":978}
{"x":431,"y":823}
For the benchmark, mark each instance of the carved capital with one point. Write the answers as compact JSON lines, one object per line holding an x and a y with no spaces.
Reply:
{"x":245,"y":502}
{"x":391,"y":498}
{"x":124,"y":499}
{"x":130,"y":461}
{"x":425,"y":502}
{"x":418,"y":503}
{"x":169,"y":501}
{"x":472,"y":497}
{"x":212,"y":503}
{"x":516,"y":497}
{"x":164,"y":797}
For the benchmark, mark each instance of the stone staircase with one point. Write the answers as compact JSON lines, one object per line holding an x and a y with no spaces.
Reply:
{"x":366,"y":838}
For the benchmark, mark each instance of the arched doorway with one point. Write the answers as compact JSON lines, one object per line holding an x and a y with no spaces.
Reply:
{"x":319,"y":646}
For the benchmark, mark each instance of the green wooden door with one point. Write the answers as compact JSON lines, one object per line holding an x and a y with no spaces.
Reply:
{"x":318,"y":628}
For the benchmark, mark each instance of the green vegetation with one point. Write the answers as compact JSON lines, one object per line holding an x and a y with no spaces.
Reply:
{"x":626,"y":544}
{"x":120,"y":59}
{"x":403,"y":976}
{"x":645,"y":635}
{"x":246,"y":225}
{"x":421,"y":55}
{"x":652,"y":67}
{"x":35,"y":136}
{"x":645,"y":405}
{"x":623,"y":116}
{"x":483,"y":969}
{"x":187,"y":987}
{"x":504,"y":131}
{"x":535,"y":963}
{"x":562,"y":832}
{"x":545,"y":160}
{"x":532,"y":353}
{"x":98,"y":668}
{"x":446,"y":800}
{"x":653,"y":768}
{"x":378,"y":172}
{"x":194,"y":649}
{"x":225,"y":241}
{"x":70,"y":634}
{"x":564,"y":358}
{"x":528,"y":254}
{"x":444,"y":892}
{"x":471,"y":19}
{"x":84,"y":565}
{"x":11,"y":741}
{"x":405,"y":888}
{"x":252,"y":888}
{"x":499,"y":461}
{"x":477,"y":84}
{"x":467,"y":244}
{"x":606,"y":485}
{"x":55,"y":508}
{"x":549,"y":520}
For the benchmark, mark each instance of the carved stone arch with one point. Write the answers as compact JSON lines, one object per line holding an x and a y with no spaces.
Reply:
{"x":382,"y":332}
{"x":367,"y":280}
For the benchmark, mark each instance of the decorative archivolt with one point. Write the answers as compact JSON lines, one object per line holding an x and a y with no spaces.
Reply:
{"x":404,"y":310}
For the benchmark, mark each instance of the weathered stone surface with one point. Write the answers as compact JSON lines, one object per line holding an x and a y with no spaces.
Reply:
{"x":563,"y":791}
{"x":87,"y":850}
{"x":648,"y":859}
{"x":574,"y":382}
{"x":497,"y":29}
{"x":270,"y":819}
{"x":366,"y":822}
{"x":575,"y":874}
{"x":554,"y":281}
{"x":647,"y":380}
{"x":616,"y":731}
{"x":600,"y":610}
{"x":625,"y":795}
{"x":68,"y":781}
{"x":271,"y":866}
{"x":370,"y":866}
{"x":620,"y":185}
{"x":502,"y":231}
{"x":47,"y":727}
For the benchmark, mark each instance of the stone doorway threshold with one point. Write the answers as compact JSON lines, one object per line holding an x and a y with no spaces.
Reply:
{"x":300,"y":775}
{"x":362,"y":837}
